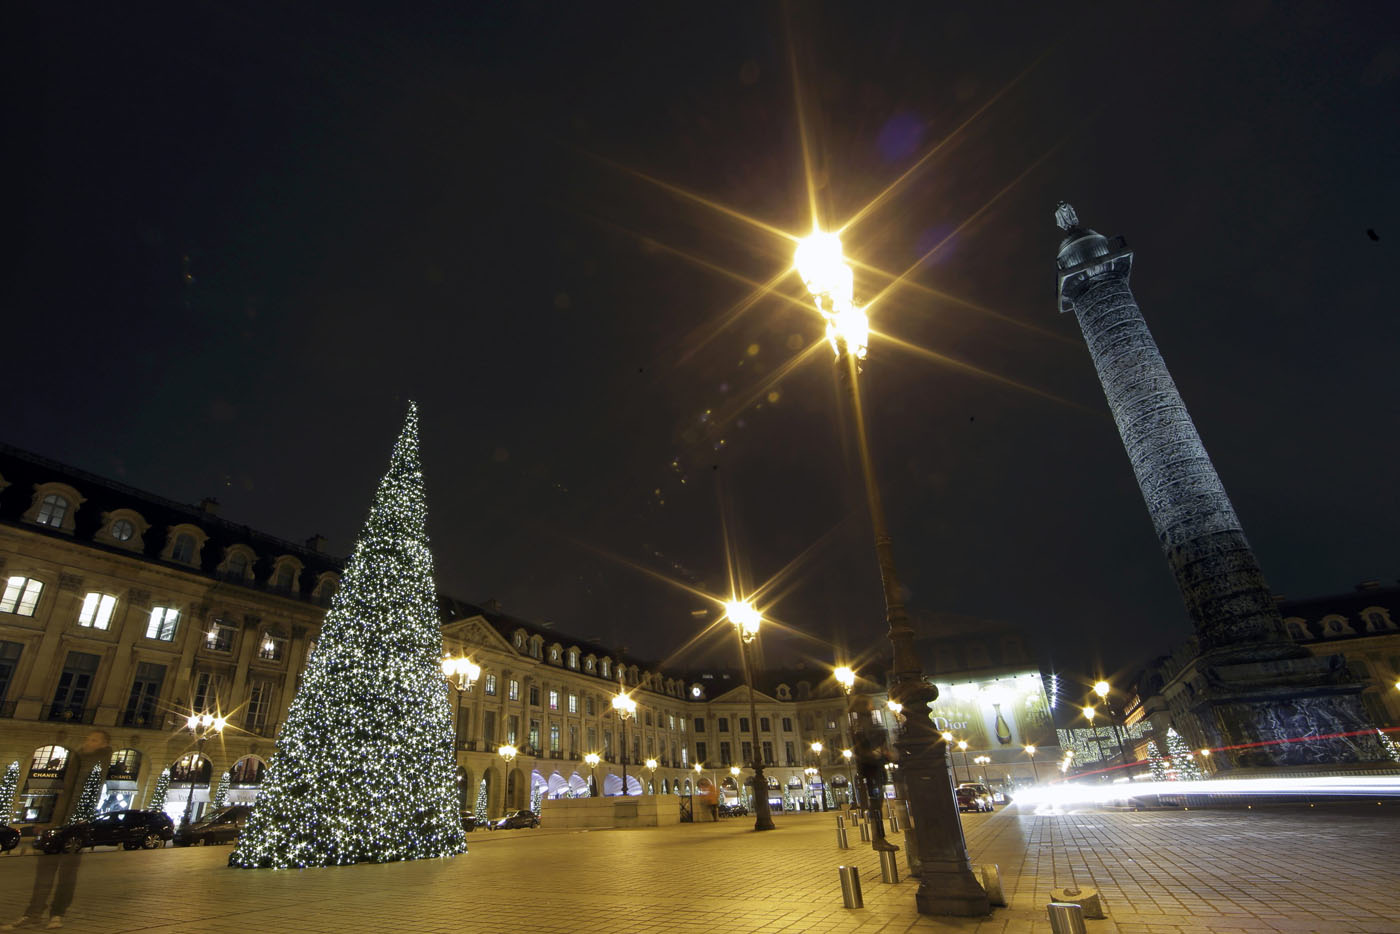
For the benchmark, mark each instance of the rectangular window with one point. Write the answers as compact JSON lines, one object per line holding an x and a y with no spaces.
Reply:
{"x":747,"y":749}
{"x":699,"y":752}
{"x":787,"y":751}
{"x":685,"y":758}
{"x":259,"y":706}
{"x":573,"y":703}
{"x":573,"y":742}
{"x":534,"y":695}
{"x":21,"y":596}
{"x":592,"y":738}
{"x":607,"y":745}
{"x":636,"y":749}
{"x":830,"y":723}
{"x":743,"y":724}
{"x":724,"y":757}
{"x":724,"y":724}
{"x":145,"y":694}
{"x":512,"y":728}
{"x":514,"y":689}
{"x":491,"y":685}
{"x":97,"y":610}
{"x":553,"y":700}
{"x":671,"y":721}
{"x":219,"y":638}
{"x":534,"y":736}
{"x":488,"y":727}
{"x":767,"y":753}
{"x":207,"y":689}
{"x":649,"y":721}
{"x":554,"y":737}
{"x":124,"y":765}
{"x":651,"y":746}
{"x":878,"y":717}
{"x":272,"y":649}
{"x":763,"y":724}
{"x":682,"y":724}
{"x":787,"y":724}
{"x":699,"y":724}
{"x":9,"y":661}
{"x":588,"y":704}
{"x":164,"y":619}
{"x":71,"y":694}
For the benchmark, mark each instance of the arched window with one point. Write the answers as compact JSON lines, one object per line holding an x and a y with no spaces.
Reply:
{"x":237,"y":567}
{"x":183,"y":550}
{"x":52,"y":511}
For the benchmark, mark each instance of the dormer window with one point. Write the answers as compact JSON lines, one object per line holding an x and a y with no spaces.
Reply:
{"x":284,"y":577}
{"x":183,"y":550}
{"x":238,"y":565}
{"x":52,"y":510}
{"x":554,"y":654}
{"x":607,"y":666}
{"x":573,"y":659}
{"x":520,"y":640}
{"x":589,"y":665}
{"x":123,"y":530}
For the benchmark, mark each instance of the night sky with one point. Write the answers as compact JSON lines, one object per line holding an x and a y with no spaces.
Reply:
{"x":248,"y":234}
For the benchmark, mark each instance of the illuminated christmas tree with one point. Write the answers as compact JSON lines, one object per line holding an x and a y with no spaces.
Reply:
{"x":8,"y":786}
{"x":1155,"y":762}
{"x":86,"y":808}
{"x":364,"y":769}
{"x":481,"y":800}
{"x":157,"y":801}
{"x":221,"y":793}
{"x":1389,"y":745}
{"x":536,"y":793}
{"x":1183,"y":760}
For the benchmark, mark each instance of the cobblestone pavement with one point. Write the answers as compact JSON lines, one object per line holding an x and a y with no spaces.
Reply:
{"x":1329,"y":869}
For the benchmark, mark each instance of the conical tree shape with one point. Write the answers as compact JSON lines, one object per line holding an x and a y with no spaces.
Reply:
{"x":364,"y":769}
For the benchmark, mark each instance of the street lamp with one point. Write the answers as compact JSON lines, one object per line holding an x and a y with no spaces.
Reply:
{"x":626,"y":708}
{"x":1102,"y":689}
{"x":1089,"y":713}
{"x":967,"y":769}
{"x":817,"y":748}
{"x":738,"y":785}
{"x":746,"y":620}
{"x":982,"y":761}
{"x":593,"y":759}
{"x":462,"y":673}
{"x":694,"y":787}
{"x":507,"y":752}
{"x":936,"y":844}
{"x":1030,"y":754}
{"x":850,"y":779}
{"x":202,"y":726}
{"x":845,"y":677}
{"x":651,"y":765}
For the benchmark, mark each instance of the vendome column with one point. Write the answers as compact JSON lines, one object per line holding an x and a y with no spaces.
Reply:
{"x":1245,"y":688}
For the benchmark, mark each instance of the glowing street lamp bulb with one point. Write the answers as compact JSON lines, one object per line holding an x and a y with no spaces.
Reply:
{"x":849,"y":326}
{"x":651,"y":764}
{"x":1206,"y":753}
{"x":1030,"y":750}
{"x":507,"y":752}
{"x":698,"y":767}
{"x":1101,"y":688}
{"x":846,"y":754}
{"x":742,"y":614}
{"x":733,"y":770}
{"x":947,"y":737}
{"x":821,"y":263}
{"x":592,"y":759}
{"x":817,"y":748}
{"x":624,"y":705}
{"x":1089,"y":714}
{"x":896,"y":707}
{"x":845,"y":677}
{"x":472,"y":669}
{"x":219,"y":724}
{"x":192,"y":721}
{"x":962,"y":744}
{"x":449,"y":667}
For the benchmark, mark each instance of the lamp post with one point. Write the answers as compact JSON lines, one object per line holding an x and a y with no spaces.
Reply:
{"x":202,"y":726}
{"x":850,"y":779}
{"x":967,"y":769}
{"x":462,"y":673}
{"x":982,"y":761}
{"x":812,"y":779}
{"x":1102,"y":689}
{"x":947,"y":885}
{"x":1089,"y":713}
{"x":508,"y":753}
{"x":694,"y":787}
{"x":651,"y":765}
{"x":593,"y":759}
{"x":817,"y":748}
{"x":626,"y":708}
{"x":738,"y":785}
{"x":746,"y":622}
{"x":1030,"y":754}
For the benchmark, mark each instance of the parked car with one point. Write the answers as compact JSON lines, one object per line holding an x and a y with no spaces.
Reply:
{"x":983,"y":794}
{"x":132,"y":830}
{"x":9,"y":838}
{"x":733,"y":810}
{"x":221,"y":826}
{"x":968,"y":799}
{"x":518,"y":819}
{"x":471,"y":822}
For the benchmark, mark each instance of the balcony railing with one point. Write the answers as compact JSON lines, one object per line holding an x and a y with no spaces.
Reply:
{"x":68,"y":713}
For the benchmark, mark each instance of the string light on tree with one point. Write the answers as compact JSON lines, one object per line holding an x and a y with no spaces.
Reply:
{"x":481,"y":812}
{"x":221,"y":793}
{"x":364,"y":769}
{"x":86,"y":808}
{"x":157,"y":802}
{"x":8,"y":786}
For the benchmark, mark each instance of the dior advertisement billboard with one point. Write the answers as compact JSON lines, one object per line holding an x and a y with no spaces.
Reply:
{"x":1008,"y":712}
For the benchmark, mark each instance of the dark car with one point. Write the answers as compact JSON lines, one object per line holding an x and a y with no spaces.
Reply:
{"x":968,"y":799}
{"x":471,"y":822}
{"x":9,"y":838}
{"x":221,"y":826}
{"x":132,"y":830}
{"x":518,"y":819}
{"x":733,"y":810}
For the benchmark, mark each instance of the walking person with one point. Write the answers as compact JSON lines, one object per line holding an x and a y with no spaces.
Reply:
{"x":872,"y":754}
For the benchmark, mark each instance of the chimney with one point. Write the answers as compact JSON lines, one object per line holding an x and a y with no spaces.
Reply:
{"x":209,"y":505}
{"x":493,"y":605}
{"x":1369,"y":585}
{"x":316,"y":543}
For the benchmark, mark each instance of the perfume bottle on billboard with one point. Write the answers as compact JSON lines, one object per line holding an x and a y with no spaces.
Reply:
{"x":1003,"y":729}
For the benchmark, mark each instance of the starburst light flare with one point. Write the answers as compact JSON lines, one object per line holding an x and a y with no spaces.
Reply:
{"x":364,"y":769}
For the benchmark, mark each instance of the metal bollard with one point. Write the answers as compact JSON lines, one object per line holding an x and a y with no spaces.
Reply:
{"x":1066,"y":918}
{"x":840,"y":821}
{"x":990,"y":874}
{"x":865,"y":832}
{"x":841,"y":838}
{"x":894,"y":823}
{"x":850,"y":887}
{"x":889,"y":869}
